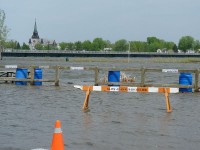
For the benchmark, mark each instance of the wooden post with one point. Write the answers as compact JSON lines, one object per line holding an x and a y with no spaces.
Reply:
{"x":196,"y":84}
{"x":85,"y":107}
{"x":167,"y":100}
{"x":96,"y":76}
{"x":32,"y":74}
{"x":142,"y":76}
{"x":57,"y":76}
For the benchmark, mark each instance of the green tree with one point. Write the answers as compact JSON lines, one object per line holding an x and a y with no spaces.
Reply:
{"x":39,"y":46}
{"x":63,"y":45}
{"x":155,"y":43}
{"x":151,"y":40}
{"x":18,"y":46}
{"x":70,"y":46}
{"x":175,"y":48}
{"x":121,"y":45}
{"x":154,"y":46}
{"x":49,"y":47}
{"x":3,"y":28}
{"x":138,"y":46}
{"x":25,"y":47}
{"x":87,"y":45}
{"x":46,"y":47}
{"x":108,"y":44}
{"x":78,"y":45}
{"x":98,"y":44}
{"x":169,"y":45}
{"x":196,"y":45}
{"x":186,"y":43}
{"x":10,"y":44}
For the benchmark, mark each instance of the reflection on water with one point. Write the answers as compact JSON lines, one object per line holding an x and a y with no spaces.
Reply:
{"x":116,"y":121}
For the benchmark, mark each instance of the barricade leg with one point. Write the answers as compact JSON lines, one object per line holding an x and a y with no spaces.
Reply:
{"x":86,"y":101}
{"x":168,"y":105}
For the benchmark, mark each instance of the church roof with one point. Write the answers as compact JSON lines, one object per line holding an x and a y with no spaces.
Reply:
{"x":35,"y":32}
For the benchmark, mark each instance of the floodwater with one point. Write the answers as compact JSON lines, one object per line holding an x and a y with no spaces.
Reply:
{"x":116,"y":121}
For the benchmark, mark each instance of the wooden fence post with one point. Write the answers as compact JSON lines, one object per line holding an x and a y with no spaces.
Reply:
{"x":196,"y":85}
{"x":32,"y":74}
{"x":57,"y":76}
{"x":142,"y":76}
{"x":96,"y":76}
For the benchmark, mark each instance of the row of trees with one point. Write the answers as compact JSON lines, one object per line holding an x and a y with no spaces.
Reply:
{"x":98,"y":44}
{"x":151,"y":45}
{"x":15,"y":45}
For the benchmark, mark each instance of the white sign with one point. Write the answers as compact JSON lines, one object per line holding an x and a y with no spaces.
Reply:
{"x":170,"y":70}
{"x":10,"y":66}
{"x":44,"y":67}
{"x":76,"y":68}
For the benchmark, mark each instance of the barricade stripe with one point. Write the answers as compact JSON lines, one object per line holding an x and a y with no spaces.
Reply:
{"x":85,"y":88}
{"x":123,"y":89}
{"x":128,"y":89}
{"x":161,"y":90}
{"x":97,"y":88}
{"x":105,"y":88}
{"x":143,"y":89}
{"x":174,"y":90}
{"x":154,"y":89}
{"x":78,"y":87}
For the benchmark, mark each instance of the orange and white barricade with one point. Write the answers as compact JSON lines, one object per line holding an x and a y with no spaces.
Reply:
{"x":130,"y":89}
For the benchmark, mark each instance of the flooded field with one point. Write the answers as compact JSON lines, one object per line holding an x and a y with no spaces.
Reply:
{"x":116,"y":121}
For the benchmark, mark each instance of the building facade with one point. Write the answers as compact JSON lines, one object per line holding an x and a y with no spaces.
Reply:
{"x":35,"y":39}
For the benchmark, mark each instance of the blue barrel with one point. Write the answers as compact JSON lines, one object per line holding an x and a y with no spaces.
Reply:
{"x":113,"y":76}
{"x":21,"y":73}
{"x":185,"y":79}
{"x":37,"y":75}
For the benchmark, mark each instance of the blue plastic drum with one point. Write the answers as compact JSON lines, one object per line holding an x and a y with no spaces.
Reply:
{"x":21,"y":73}
{"x":185,"y":79}
{"x":38,"y":75}
{"x":114,"y":76}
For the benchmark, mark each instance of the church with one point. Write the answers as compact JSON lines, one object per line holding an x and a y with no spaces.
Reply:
{"x":35,"y":39}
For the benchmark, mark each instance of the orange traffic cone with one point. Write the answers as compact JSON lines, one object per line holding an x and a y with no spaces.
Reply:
{"x":57,"y":141}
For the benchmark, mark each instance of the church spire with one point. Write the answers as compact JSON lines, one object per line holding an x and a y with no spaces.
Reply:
{"x":35,"y":32}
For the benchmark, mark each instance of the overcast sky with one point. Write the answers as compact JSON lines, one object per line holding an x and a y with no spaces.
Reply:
{"x":79,"y":20}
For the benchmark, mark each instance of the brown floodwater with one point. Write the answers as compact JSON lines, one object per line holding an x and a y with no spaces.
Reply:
{"x":116,"y":121}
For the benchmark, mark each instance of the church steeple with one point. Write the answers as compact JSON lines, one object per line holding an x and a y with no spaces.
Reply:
{"x":35,"y":32}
